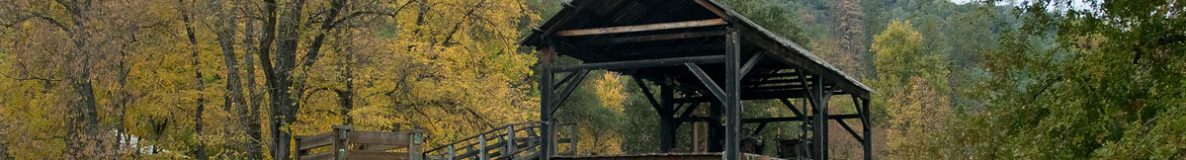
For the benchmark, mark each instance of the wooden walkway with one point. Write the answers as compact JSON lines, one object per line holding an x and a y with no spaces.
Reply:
{"x":511,"y":142}
{"x":345,"y":143}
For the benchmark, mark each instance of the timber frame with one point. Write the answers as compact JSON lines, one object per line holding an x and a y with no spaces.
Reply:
{"x":698,"y":52}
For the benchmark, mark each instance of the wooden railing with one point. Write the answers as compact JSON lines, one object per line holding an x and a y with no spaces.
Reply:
{"x":510,"y":142}
{"x":345,"y":143}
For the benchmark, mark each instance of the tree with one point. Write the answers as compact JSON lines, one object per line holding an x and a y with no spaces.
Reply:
{"x":89,"y":28}
{"x":440,"y":65}
{"x":911,"y":82}
{"x":281,"y":29}
{"x":897,"y":50}
{"x":200,"y":149}
{"x":143,"y":93}
{"x":83,"y":122}
{"x":225,"y":27}
{"x":851,"y":32}
{"x":1092,"y":79}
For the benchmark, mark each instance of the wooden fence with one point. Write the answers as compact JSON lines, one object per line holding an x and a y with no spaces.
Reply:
{"x":345,"y":143}
{"x":511,"y":142}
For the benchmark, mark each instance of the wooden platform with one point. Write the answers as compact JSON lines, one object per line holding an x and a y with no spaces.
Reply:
{"x":663,"y":156}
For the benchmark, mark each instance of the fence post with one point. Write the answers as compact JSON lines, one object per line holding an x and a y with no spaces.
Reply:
{"x":417,"y":138}
{"x":482,"y":147}
{"x":299,"y":152}
{"x":531,"y":136}
{"x":341,"y":133}
{"x":572,"y":140}
{"x":452,"y":153}
{"x":511,"y":145}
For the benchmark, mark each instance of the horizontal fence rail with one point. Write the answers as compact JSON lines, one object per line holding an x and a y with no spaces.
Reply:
{"x":509,"y":142}
{"x":345,"y":143}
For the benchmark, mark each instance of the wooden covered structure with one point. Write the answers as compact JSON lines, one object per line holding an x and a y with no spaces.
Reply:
{"x":700,"y":53}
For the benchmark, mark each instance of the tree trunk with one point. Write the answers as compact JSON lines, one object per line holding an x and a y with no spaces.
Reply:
{"x":279,"y":150}
{"x":346,"y":96}
{"x":251,"y":121}
{"x":235,"y":97}
{"x":283,"y":87}
{"x":121,"y":103}
{"x":200,"y":151}
{"x":83,"y":112}
{"x":420,"y":16}
{"x":280,"y":83}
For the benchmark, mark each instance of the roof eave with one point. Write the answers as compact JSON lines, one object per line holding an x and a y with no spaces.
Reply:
{"x":792,"y":46}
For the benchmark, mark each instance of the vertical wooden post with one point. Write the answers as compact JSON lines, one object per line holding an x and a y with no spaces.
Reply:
{"x":341,"y":133}
{"x":417,"y":139}
{"x":452,"y":153}
{"x":545,"y":84}
{"x":867,"y":144}
{"x":698,"y":136}
{"x":666,"y":116}
{"x":482,"y":147}
{"x":732,"y":94}
{"x":715,"y":129}
{"x":572,"y":139}
{"x":821,"y":117}
{"x":512,"y":147}
{"x":807,"y":125}
{"x":813,"y":97}
{"x":299,"y":152}
{"x":531,"y":136}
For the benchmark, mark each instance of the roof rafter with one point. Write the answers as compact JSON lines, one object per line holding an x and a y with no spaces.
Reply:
{"x":643,"y":28}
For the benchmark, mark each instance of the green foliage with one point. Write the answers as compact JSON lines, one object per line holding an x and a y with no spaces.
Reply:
{"x":1090,"y":83}
{"x":771,"y":14}
{"x":642,"y":128}
{"x":900,"y":54}
{"x":912,"y":82}
{"x":597,"y":107}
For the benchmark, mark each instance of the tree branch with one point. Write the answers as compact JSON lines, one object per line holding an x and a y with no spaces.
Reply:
{"x":457,"y":26}
{"x":1049,"y":83}
{"x":309,"y":93}
{"x":27,"y":75}
{"x":361,"y":13}
{"x":327,"y":25}
{"x":479,"y":117}
{"x":391,"y":14}
{"x":36,"y":16}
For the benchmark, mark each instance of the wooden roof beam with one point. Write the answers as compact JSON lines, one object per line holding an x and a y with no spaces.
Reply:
{"x":796,"y":118}
{"x":642,"y":28}
{"x":657,"y":37}
{"x":712,"y":8}
{"x":712,"y":48}
{"x":756,"y":95}
{"x":646,"y":63}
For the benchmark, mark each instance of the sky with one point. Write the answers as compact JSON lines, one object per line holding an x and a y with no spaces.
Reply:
{"x":961,"y":1}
